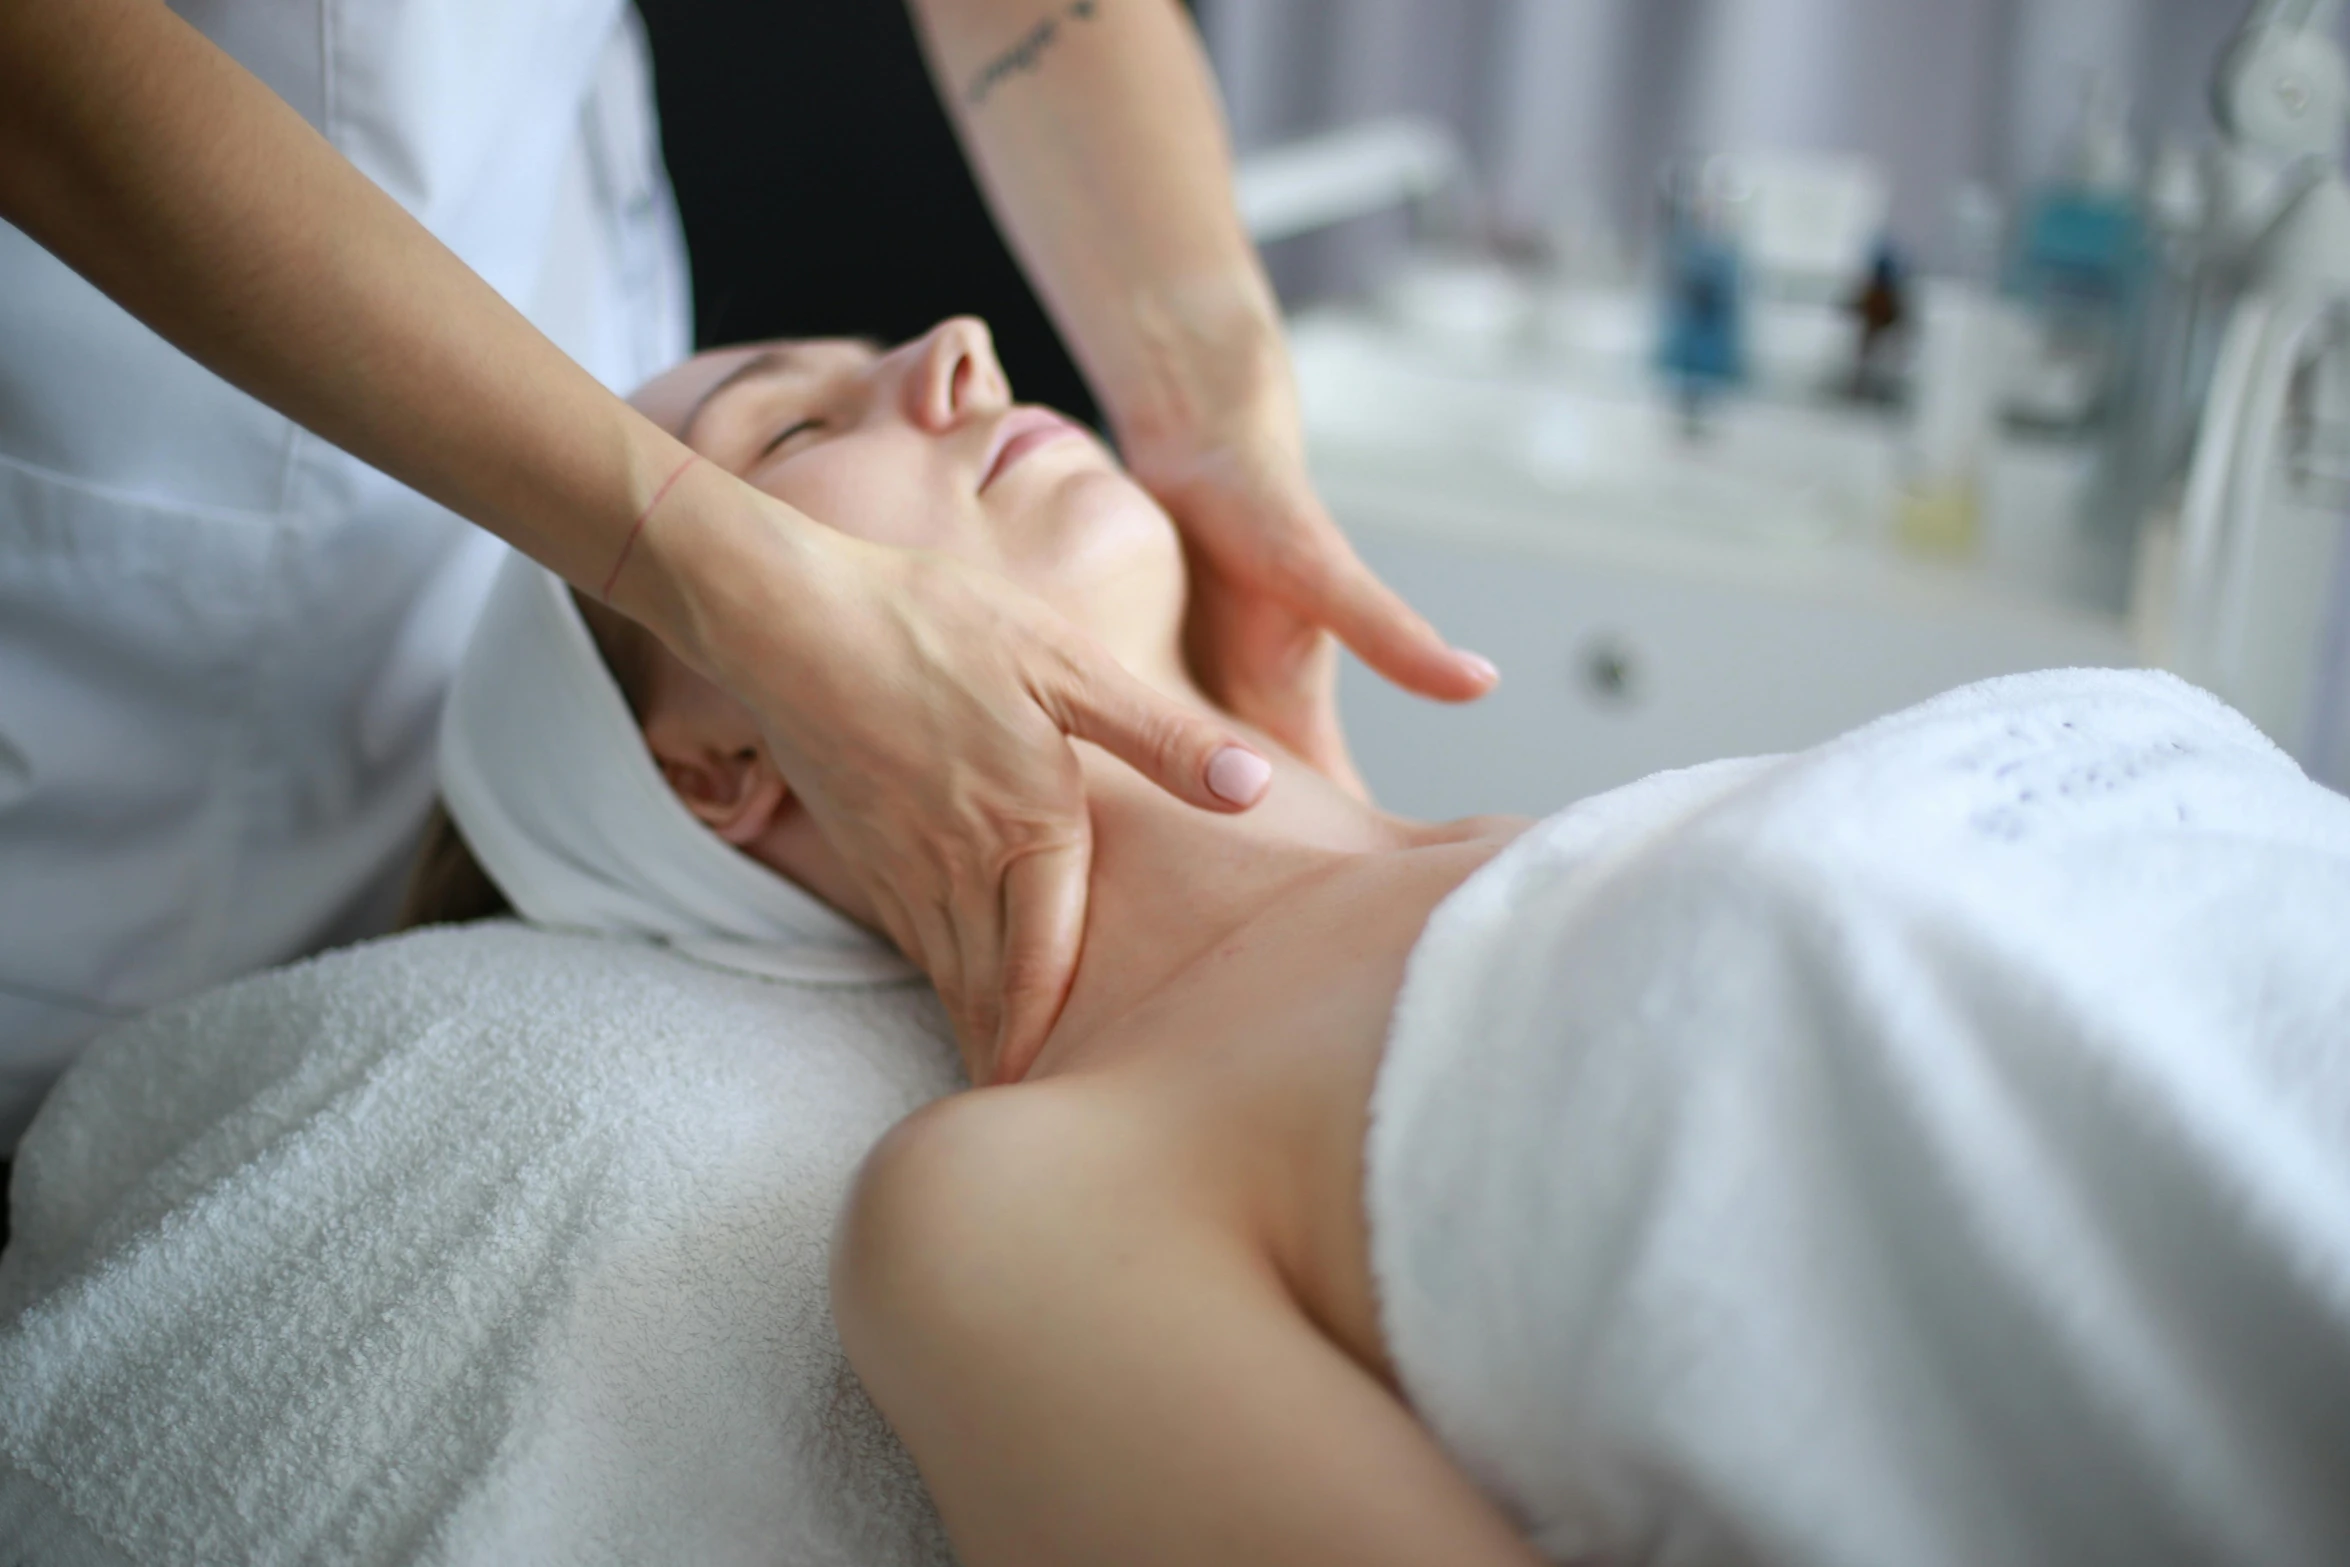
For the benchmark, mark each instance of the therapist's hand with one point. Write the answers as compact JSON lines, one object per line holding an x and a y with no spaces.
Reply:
{"x":1097,"y":137}
{"x":1273,"y":580}
{"x":923,"y":711}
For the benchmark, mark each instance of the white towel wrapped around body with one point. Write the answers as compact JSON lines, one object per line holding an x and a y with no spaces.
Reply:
{"x":478,"y":1245}
{"x":1931,"y":1148}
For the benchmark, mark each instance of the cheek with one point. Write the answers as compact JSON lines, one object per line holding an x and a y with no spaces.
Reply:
{"x":874,"y":487}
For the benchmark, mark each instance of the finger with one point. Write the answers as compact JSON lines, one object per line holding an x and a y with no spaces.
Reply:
{"x":965,"y":992}
{"x":1298,"y":706}
{"x":1190,"y":756}
{"x":1044,"y":931}
{"x":934,"y":944}
{"x":1387,"y":634}
{"x":975,"y":1005}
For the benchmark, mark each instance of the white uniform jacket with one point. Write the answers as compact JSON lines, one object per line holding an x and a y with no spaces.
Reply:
{"x":223,"y":642}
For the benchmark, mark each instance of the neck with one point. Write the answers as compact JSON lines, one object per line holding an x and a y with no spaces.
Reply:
{"x":1171,"y":883}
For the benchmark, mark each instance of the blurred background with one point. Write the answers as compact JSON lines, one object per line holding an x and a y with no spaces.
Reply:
{"x":1730,"y":371}
{"x":1568,"y":109}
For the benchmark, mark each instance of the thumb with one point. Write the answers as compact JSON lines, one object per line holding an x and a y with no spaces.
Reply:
{"x":1387,"y":634}
{"x":1189,"y":755}
{"x":1044,"y":897}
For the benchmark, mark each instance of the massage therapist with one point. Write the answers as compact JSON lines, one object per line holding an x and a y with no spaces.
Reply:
{"x":433,"y":236}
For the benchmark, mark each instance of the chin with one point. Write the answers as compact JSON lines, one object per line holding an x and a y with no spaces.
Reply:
{"x":1110,"y":559}
{"x":1096,"y":520}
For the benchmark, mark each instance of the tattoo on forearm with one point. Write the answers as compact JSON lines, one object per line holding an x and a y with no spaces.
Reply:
{"x":1027,"y":51}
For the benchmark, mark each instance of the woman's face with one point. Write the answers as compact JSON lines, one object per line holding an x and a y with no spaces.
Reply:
{"x":923,"y":447}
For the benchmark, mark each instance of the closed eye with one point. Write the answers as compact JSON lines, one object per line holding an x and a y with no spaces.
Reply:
{"x":785,"y":434}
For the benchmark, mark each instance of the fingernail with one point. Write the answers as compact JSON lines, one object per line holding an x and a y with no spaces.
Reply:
{"x":1480,"y":664}
{"x":1238,"y":776}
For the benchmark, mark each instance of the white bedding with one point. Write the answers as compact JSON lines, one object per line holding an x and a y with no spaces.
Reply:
{"x":479,"y":1245}
{"x":1933,"y":1148}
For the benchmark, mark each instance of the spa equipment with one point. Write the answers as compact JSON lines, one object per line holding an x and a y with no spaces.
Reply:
{"x":1655,"y":601}
{"x":2255,"y":566}
{"x":2246,"y":580}
{"x":1703,"y":348}
{"x":1371,"y":167}
{"x":1658,"y":591}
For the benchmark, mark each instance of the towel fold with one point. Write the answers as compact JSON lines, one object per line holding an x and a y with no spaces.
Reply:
{"x":1931,"y":1148}
{"x":483,"y":1245}
{"x":547,"y":776}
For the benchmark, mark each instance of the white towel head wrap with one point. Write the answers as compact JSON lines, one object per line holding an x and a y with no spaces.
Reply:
{"x":546,"y":774}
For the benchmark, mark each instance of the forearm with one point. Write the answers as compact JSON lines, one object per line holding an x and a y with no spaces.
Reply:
{"x":165,"y":173}
{"x":1096,"y":132}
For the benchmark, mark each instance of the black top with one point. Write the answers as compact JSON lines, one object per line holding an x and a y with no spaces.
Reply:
{"x":823,"y":190}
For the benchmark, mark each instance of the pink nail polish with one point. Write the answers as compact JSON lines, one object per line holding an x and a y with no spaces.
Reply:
{"x":1238,"y":776}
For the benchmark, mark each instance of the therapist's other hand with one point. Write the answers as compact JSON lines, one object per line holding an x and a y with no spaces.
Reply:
{"x":1273,"y":580}
{"x":923,"y":710}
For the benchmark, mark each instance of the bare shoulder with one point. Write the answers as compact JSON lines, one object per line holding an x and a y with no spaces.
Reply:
{"x":990,"y":1154}
{"x":985,"y":1198}
{"x":1089,"y":1363}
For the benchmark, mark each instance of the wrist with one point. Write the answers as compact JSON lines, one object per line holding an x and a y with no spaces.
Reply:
{"x":1210,"y":364}
{"x":637,"y":528}
{"x":1253,"y":447}
{"x":712,"y":556}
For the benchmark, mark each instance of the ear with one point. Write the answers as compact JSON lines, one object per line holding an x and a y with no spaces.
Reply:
{"x":735,"y":792}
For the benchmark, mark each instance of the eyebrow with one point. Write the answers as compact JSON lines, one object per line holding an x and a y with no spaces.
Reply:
{"x":765,"y":362}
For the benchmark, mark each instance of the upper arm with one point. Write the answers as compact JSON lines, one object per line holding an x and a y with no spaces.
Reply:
{"x":1088,"y":1367}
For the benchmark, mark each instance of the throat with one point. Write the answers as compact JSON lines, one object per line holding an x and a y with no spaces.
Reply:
{"x":1173,"y":885}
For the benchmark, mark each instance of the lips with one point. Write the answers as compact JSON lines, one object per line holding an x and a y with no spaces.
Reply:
{"x":1020,"y":432}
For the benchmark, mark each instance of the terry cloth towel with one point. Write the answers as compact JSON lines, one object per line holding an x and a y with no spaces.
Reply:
{"x":547,"y":776}
{"x":477,"y":1245}
{"x":1933,"y":1148}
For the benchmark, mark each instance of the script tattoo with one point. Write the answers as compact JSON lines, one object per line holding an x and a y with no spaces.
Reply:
{"x":1030,"y":48}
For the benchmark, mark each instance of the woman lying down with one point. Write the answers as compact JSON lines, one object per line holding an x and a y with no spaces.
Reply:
{"x":1934,"y":1147}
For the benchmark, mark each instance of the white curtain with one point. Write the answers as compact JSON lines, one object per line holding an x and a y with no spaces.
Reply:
{"x":1569,"y":107}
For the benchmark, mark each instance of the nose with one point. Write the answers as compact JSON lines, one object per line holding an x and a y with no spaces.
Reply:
{"x":951,"y":374}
